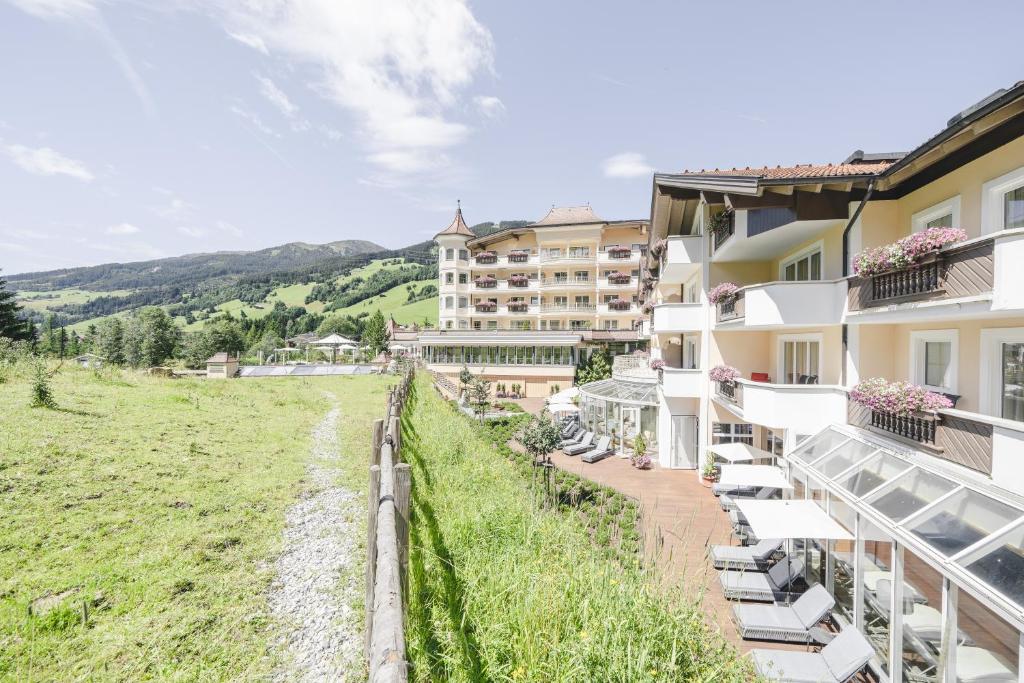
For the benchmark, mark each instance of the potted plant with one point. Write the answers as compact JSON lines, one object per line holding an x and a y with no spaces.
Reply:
{"x":486,"y":257}
{"x":619,"y":251}
{"x":709,"y":474}
{"x":658,"y":364}
{"x":721,"y":222}
{"x":722,"y":293}
{"x":904,"y":253}
{"x":518,"y":256}
{"x":640,"y":459}
{"x":658,"y":248}
{"x":518,"y":280}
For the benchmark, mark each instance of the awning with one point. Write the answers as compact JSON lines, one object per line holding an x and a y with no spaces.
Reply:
{"x":562,"y":408}
{"x":766,"y":476}
{"x":738,"y":452}
{"x":790,"y":519}
{"x":564,"y":396}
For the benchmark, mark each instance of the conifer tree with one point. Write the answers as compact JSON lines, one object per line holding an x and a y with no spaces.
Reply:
{"x":11,"y":324}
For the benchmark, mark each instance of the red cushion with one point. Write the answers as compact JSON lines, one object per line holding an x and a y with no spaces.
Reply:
{"x":759,"y":376}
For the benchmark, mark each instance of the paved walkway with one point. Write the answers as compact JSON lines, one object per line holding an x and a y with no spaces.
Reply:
{"x":680,"y":519}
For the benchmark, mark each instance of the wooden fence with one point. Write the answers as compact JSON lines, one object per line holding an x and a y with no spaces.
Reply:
{"x":387,"y":546}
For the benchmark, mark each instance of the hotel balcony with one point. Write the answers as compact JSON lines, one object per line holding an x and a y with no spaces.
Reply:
{"x":673,"y":318}
{"x":784,"y":304}
{"x":581,"y":309}
{"x":681,"y":383}
{"x":546,"y":259}
{"x":979,"y":277}
{"x":623,"y":256}
{"x":505,"y":285}
{"x":510,"y":260}
{"x":624,"y":308}
{"x":633,"y":368}
{"x":804,"y":408}
{"x":681,"y":259}
{"x":504,"y":309}
{"x":567,"y":283}
{"x":628,"y":283}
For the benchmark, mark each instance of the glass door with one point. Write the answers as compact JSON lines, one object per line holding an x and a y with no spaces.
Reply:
{"x":800,"y":362}
{"x":684,"y":442}
{"x":1011,"y":396}
{"x":630,"y":427}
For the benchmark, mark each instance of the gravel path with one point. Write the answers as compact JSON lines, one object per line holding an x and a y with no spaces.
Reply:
{"x":317,"y":581}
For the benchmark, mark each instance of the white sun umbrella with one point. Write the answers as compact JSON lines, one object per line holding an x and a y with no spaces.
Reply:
{"x":738,"y":452}
{"x":555,"y":408}
{"x":791,"y":519}
{"x":564,"y":396}
{"x":758,"y":476}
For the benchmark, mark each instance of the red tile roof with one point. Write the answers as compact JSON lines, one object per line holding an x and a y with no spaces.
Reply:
{"x":797,"y":172}
{"x":458,"y":226}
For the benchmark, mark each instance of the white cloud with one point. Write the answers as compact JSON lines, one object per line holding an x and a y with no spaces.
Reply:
{"x":255,"y":120}
{"x":48,"y":161}
{"x":255,"y":42}
{"x":27,"y":234}
{"x":123,"y":229}
{"x":191,"y":232}
{"x":56,"y":9}
{"x":229,"y":228}
{"x":176,"y":209}
{"x":276,"y":96}
{"x":626,"y":165}
{"x":489,"y":106}
{"x":396,"y":65}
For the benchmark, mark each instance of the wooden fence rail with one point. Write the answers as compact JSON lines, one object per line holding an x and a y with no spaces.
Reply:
{"x":387,"y":544}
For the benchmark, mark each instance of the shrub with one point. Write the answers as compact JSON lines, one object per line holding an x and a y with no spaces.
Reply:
{"x":901,"y":398}
{"x":42,"y":394}
{"x":540,"y":436}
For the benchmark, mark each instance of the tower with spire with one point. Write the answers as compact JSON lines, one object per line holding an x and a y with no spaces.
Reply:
{"x":453,"y":269}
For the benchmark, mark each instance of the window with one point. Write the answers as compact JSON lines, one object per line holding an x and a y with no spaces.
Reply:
{"x":579,"y":252}
{"x":1002,"y":373}
{"x":690,"y":359}
{"x":579,"y":324}
{"x":463,"y":325}
{"x":562,"y":276}
{"x":520,"y":324}
{"x":449,"y":302}
{"x":803,"y":266}
{"x":611,"y":324}
{"x":449,"y":254}
{"x":726,"y":432}
{"x":462,"y":302}
{"x":551,"y":252}
{"x":799,"y":359}
{"x":463,"y":255}
{"x":943,"y":215}
{"x":933,"y":359}
{"x":476,"y":325}
{"x":1002,"y":202}
{"x":449,"y":278}
{"x":583,"y":300}
{"x":555,"y":325}
{"x":448,"y":324}
{"x":582,"y":276}
{"x":691,"y":292}
{"x":463,"y":278}
{"x":535,"y":300}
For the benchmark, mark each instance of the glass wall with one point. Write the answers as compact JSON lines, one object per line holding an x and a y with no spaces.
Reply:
{"x":986,"y":643}
{"x":607,"y":412}
{"x":877,"y":563}
{"x":500,"y":355}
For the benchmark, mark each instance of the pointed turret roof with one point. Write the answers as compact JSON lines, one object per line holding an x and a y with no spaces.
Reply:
{"x":458,"y":226}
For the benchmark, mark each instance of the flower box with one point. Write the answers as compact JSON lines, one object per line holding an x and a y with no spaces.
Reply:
{"x":907,"y":252}
{"x":620,"y":251}
{"x":723,"y":292}
{"x":485,"y":282}
{"x":723,"y":373}
{"x":486,"y":257}
{"x":619,"y":278}
{"x":619,"y":304}
{"x":518,"y":307}
{"x":486,"y":307}
{"x":518,"y":256}
{"x":518,"y":281}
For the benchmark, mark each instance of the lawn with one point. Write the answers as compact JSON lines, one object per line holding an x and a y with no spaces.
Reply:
{"x":502,"y":590}
{"x":155,"y":506}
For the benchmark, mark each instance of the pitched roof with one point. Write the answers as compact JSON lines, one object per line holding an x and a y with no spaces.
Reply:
{"x":797,"y":172}
{"x":458,"y":226}
{"x":569,"y":215}
{"x":220,"y":357}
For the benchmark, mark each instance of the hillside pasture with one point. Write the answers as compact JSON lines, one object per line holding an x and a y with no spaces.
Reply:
{"x":142,"y":519}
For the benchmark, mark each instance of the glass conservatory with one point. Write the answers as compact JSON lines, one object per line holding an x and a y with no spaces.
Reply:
{"x":621,"y":410}
{"x":935,"y":574}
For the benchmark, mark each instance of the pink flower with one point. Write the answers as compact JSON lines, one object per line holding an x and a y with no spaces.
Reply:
{"x":900,"y":398}
{"x":905,"y":252}
{"x":723,"y":373}
{"x":722,"y":292}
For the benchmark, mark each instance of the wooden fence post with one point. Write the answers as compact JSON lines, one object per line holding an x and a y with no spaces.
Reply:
{"x":403,"y":491}
{"x":373,"y":503}
{"x":395,"y":430}
{"x":378,"y":439}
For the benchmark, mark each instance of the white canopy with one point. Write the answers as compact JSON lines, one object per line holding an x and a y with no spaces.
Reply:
{"x":767,"y":476}
{"x":562,"y":408}
{"x":398,"y":347}
{"x":333,"y":340}
{"x":288,"y":349}
{"x":564,"y":396}
{"x":738,"y":452}
{"x":790,"y":519}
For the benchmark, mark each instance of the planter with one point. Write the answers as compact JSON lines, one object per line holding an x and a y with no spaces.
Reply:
{"x":707,"y":482}
{"x":518,"y":257}
{"x":922,"y":278}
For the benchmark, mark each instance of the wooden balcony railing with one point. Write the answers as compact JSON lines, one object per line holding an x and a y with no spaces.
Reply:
{"x":917,"y":428}
{"x":957,"y":271}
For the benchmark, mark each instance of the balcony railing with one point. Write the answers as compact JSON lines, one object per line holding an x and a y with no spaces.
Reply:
{"x":486,"y":258}
{"x":961,"y":270}
{"x":485,"y":284}
{"x":518,"y":307}
{"x":566,"y":282}
{"x":921,"y":429}
{"x":720,"y":236}
{"x":732,"y":308}
{"x":547,"y":258}
{"x":519,"y":282}
{"x":730,"y":391}
{"x":568,"y":308}
{"x":518,"y":256}
{"x":485,"y":308}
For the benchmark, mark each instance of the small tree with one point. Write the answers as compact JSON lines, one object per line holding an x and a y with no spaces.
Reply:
{"x":540,"y":436}
{"x":480,"y":395}
{"x":375,"y":333}
{"x":12,"y":325}
{"x":42,"y":395}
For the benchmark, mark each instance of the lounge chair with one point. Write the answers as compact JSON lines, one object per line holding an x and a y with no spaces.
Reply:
{"x":751,"y":558}
{"x":719,"y":489}
{"x":838,"y":662}
{"x":582,"y":447}
{"x":763,"y":587}
{"x":728,"y":500}
{"x":786,"y":623}
{"x":600,"y":452}
{"x":574,"y":438}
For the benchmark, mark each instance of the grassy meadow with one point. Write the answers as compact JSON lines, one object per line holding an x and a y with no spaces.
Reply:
{"x":501,"y":590}
{"x":142,"y":518}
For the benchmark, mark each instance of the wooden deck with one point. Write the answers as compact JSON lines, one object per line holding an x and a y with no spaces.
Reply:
{"x":680,"y":518}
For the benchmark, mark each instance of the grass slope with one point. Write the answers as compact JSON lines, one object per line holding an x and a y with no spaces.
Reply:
{"x":392,"y":302}
{"x":160,"y":504}
{"x":502,"y":591}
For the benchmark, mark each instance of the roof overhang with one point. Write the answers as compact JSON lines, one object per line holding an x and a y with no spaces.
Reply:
{"x":488,"y":338}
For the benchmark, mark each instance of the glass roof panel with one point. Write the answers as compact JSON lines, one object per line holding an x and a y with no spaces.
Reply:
{"x":909,"y":493}
{"x":1003,"y":567}
{"x":622,"y":391}
{"x":874,"y":472}
{"x":844,"y":457}
{"x":961,"y":520}
{"x":813,"y":449}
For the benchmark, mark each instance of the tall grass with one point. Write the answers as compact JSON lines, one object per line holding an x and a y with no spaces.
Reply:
{"x":500,"y":590}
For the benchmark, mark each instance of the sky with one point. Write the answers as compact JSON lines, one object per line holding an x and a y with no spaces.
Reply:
{"x":137,"y":129}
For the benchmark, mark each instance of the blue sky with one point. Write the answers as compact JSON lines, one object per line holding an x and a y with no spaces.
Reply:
{"x":138,"y":129}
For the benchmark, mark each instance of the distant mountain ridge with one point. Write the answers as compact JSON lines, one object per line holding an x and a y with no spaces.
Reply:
{"x":189,"y":269}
